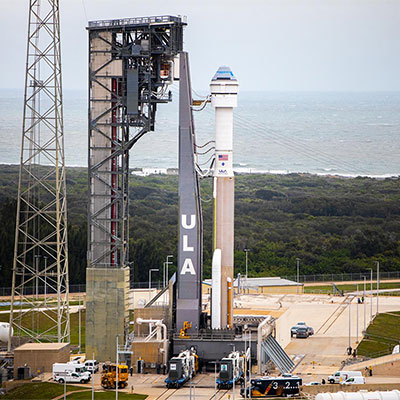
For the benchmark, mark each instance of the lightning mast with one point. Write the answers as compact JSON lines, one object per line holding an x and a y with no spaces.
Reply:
{"x":40,"y":266}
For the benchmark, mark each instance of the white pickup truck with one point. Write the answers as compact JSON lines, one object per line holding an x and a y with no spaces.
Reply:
{"x":68,"y":377}
{"x":70,"y":372}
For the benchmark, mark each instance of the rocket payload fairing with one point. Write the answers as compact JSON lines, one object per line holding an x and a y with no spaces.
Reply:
{"x":224,"y":90}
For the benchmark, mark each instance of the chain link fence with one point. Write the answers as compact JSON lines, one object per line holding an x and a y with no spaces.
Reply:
{"x":328,"y":278}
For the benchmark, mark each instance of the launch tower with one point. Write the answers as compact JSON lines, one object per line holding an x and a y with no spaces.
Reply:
{"x":131,"y":62}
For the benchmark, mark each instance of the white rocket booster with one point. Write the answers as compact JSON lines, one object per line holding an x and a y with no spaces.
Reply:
{"x":224,"y":89}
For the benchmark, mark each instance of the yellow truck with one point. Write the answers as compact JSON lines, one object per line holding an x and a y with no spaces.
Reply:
{"x":109,"y":376}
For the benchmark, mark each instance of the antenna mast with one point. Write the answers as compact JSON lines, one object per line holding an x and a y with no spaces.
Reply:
{"x":40,"y":268}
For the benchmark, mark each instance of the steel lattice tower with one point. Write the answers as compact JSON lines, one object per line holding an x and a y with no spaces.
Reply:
{"x":40,"y":264}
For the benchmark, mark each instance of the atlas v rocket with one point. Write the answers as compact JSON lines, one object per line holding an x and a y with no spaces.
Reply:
{"x":224,"y":90}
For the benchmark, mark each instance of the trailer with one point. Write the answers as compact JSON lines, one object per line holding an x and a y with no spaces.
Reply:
{"x":182,"y":368}
{"x":232,"y":369}
{"x":285,"y":385}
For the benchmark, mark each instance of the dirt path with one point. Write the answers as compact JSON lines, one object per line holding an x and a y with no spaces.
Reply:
{"x":68,"y":393}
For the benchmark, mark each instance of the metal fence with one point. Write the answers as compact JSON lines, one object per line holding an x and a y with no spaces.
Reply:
{"x":329,"y":278}
{"x":78,"y":288}
{"x":350,"y":276}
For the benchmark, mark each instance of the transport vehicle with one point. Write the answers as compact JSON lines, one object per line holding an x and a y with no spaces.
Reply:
{"x":341,"y":376}
{"x":288,"y":385}
{"x":354,"y":380}
{"x":232,"y":369}
{"x":70,"y":377}
{"x":64,"y":369}
{"x":109,"y":376}
{"x":301,"y":324}
{"x":302,"y":333}
{"x":92,"y":366}
{"x":182,"y":368}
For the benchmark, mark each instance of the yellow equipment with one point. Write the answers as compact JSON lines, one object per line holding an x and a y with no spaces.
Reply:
{"x":186,"y":326}
{"x":109,"y":376}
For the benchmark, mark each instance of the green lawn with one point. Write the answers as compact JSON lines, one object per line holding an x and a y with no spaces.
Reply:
{"x":105,"y":396}
{"x":38,"y":391}
{"x":44,"y":323}
{"x":382,"y":335}
{"x":327,"y":289}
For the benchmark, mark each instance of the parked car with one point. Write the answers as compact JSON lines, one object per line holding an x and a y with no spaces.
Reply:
{"x":302,"y":333}
{"x":313,"y":384}
{"x":293,"y":329}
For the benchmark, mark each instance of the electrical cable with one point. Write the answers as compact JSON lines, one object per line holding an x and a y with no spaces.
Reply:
{"x":205,"y":102}
{"x":204,"y":145}
{"x":84,"y":10}
{"x":205,"y":152}
{"x":294,"y":145}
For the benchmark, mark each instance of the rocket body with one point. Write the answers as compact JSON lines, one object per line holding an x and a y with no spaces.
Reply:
{"x":224,"y":89}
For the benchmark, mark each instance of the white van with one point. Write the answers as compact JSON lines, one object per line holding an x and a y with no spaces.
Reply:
{"x":355,"y":380}
{"x":342,"y":376}
{"x":92,"y":366}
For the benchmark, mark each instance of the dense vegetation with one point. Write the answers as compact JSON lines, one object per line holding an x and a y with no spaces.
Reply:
{"x":332,"y":224}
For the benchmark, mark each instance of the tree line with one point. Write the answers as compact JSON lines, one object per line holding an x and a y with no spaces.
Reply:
{"x":332,"y":224}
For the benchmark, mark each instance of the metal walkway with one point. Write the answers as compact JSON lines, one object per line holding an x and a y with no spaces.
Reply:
{"x":272,"y":350}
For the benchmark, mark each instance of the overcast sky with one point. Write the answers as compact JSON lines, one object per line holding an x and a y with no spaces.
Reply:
{"x":316,"y":45}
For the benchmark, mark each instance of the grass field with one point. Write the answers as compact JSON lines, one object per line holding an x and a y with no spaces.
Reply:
{"x":41,"y":321}
{"x":48,"y":391}
{"x":38,"y":391}
{"x":327,"y":289}
{"x":382,"y":335}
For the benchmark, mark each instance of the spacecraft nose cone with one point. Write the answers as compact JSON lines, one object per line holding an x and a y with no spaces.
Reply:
{"x":224,"y":73}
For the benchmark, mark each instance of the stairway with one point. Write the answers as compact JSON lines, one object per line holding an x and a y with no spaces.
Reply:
{"x":272,"y":350}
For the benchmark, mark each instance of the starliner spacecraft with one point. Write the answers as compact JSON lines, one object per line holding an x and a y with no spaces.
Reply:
{"x":224,"y":90}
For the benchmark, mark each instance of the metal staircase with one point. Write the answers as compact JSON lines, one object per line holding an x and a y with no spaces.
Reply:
{"x":272,"y":350}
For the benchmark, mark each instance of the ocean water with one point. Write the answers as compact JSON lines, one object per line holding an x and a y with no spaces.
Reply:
{"x":322,"y":133}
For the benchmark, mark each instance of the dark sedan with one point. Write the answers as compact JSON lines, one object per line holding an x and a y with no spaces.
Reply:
{"x":302,"y":333}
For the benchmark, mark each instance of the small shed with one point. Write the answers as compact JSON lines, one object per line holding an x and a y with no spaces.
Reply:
{"x":40,"y":357}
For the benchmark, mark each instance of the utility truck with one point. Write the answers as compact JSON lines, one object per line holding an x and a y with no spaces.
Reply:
{"x":342,"y":376}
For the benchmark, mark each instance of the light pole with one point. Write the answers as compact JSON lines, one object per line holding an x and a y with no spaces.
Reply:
{"x":165,"y":270}
{"x":247,"y":262}
{"x":349,"y":324}
{"x":357,"y":314}
{"x":79,"y":323}
{"x":45,"y":279}
{"x":37,"y":273}
{"x":298,"y":275}
{"x":370,"y":296}
{"x":250,"y":366}
{"x":116,"y":371}
{"x":365,"y":304}
{"x":93,"y":381}
{"x":150,"y":271}
{"x":377,"y":287}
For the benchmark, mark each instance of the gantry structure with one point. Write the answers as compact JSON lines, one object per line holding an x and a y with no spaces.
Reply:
{"x":131,"y":64}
